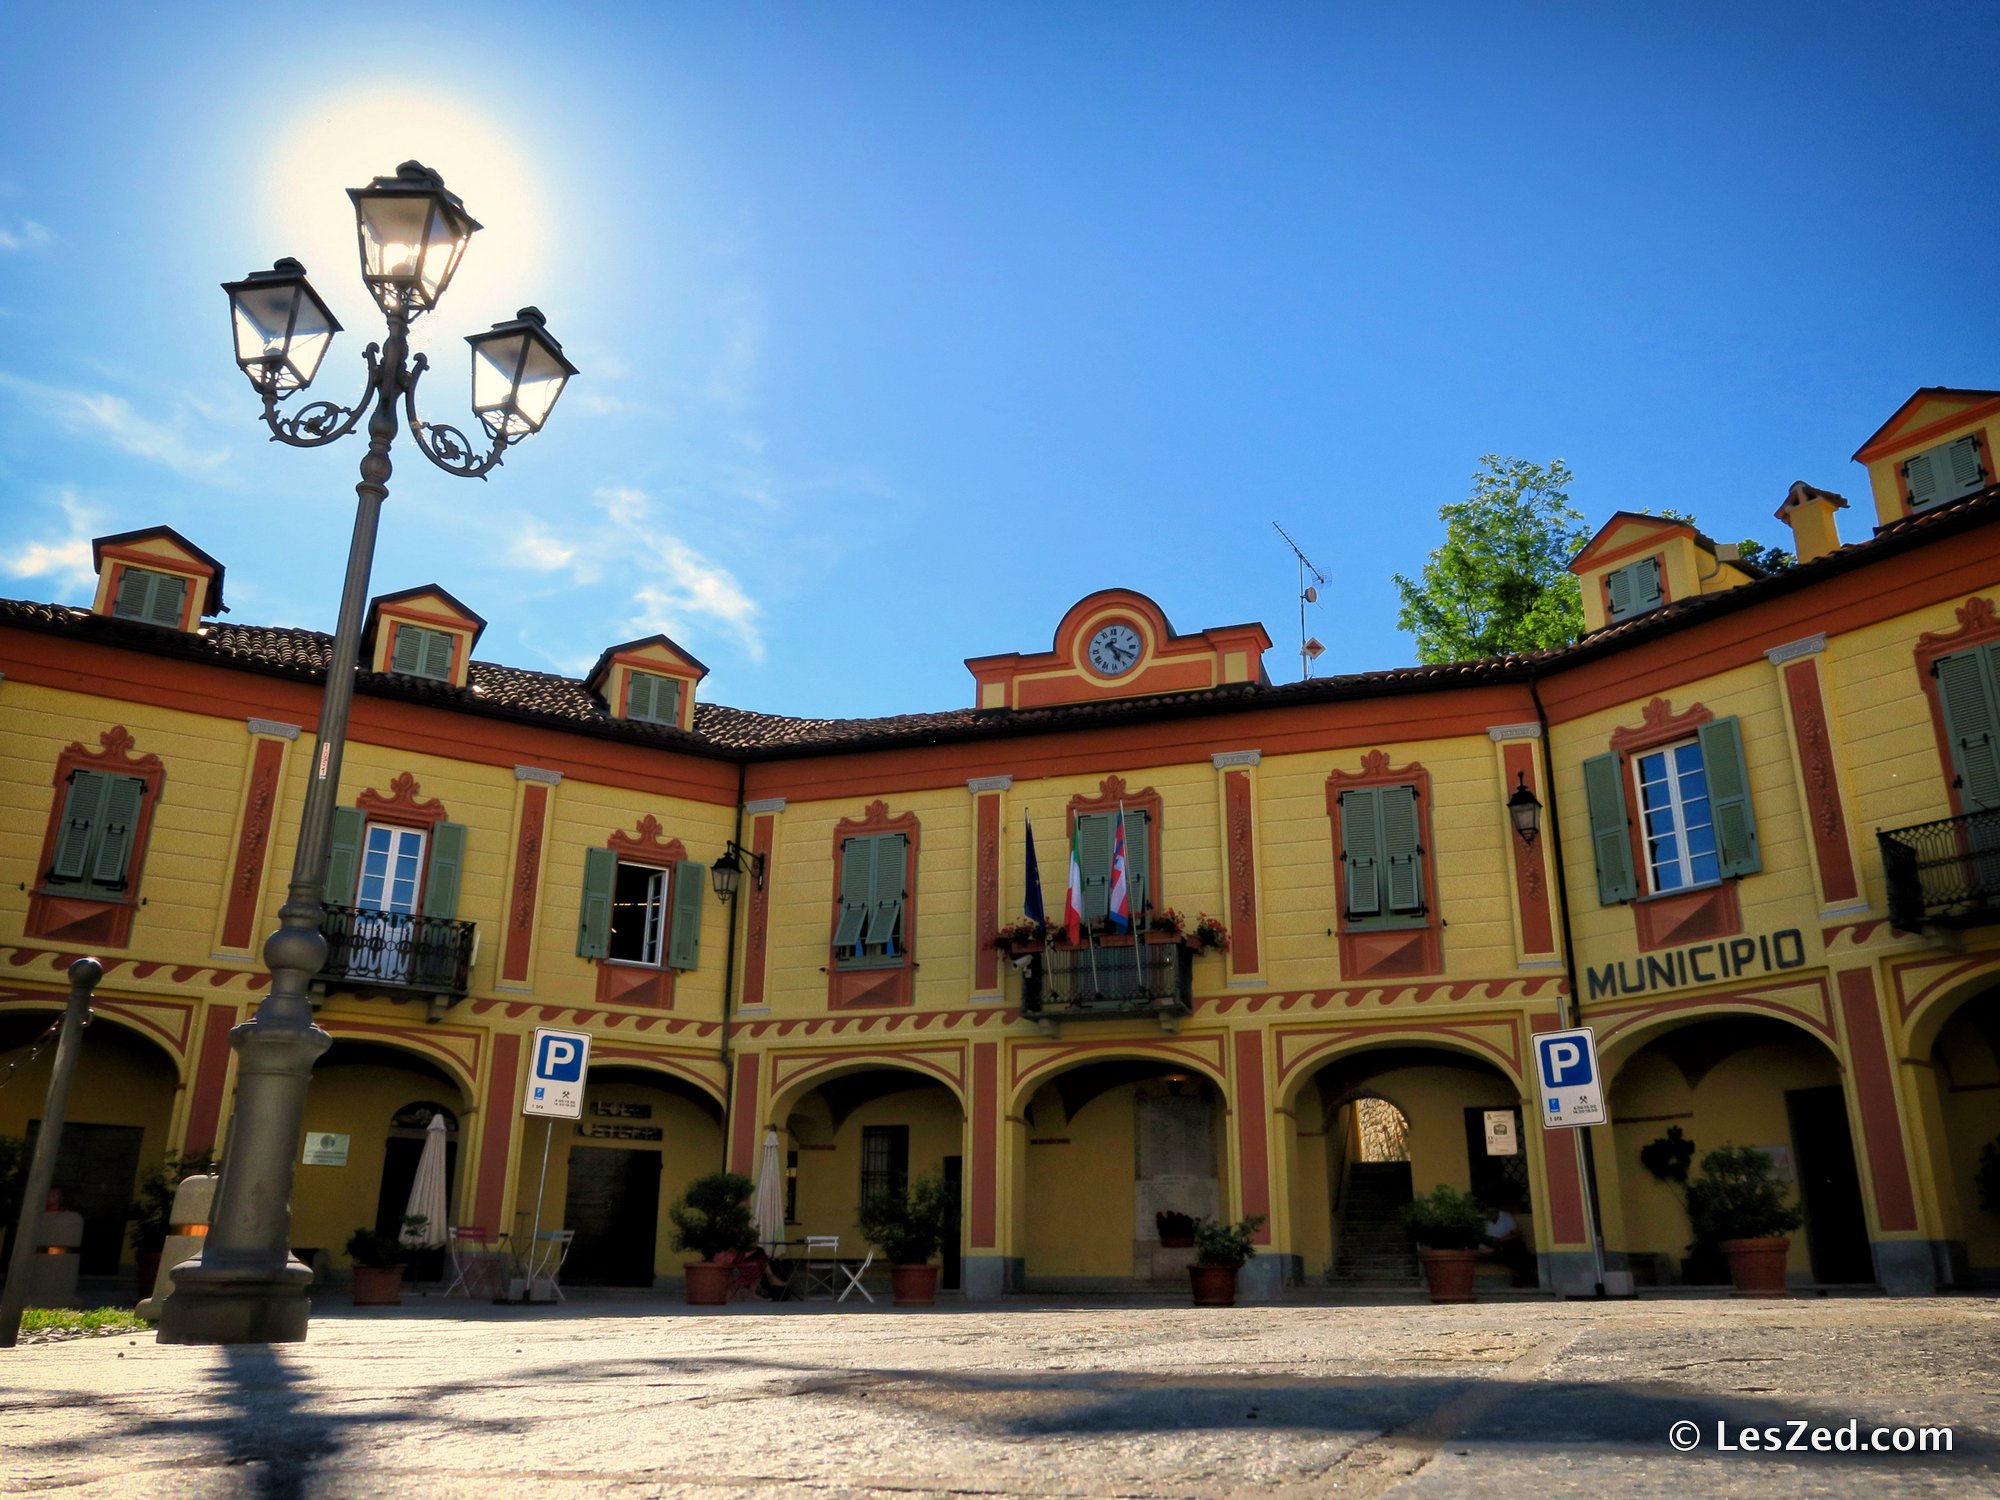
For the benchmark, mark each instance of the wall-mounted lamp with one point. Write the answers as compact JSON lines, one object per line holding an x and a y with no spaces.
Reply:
{"x":1525,"y":809}
{"x":726,"y":874}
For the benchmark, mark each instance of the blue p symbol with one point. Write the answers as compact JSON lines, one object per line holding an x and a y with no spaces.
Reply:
{"x":562,"y":1060}
{"x":1561,"y":1057}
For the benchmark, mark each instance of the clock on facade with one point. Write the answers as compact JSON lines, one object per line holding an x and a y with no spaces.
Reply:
{"x":1114,"y":650}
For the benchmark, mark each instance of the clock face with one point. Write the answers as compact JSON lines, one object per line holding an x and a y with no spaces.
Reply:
{"x":1114,"y":650}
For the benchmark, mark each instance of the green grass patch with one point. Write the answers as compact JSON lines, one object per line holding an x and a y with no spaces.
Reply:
{"x":98,"y":1320}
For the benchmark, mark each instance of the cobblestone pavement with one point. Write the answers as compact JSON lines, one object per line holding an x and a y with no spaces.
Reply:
{"x":1023,"y":1399}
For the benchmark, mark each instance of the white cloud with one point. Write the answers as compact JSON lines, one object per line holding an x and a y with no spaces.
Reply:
{"x":26,"y":235}
{"x":100,"y":414}
{"x":65,"y":559}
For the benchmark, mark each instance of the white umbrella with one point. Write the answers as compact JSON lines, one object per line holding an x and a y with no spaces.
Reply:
{"x":427,"y":1192}
{"x":769,"y":1204}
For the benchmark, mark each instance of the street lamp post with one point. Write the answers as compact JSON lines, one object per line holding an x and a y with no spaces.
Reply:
{"x":246,"y":1287}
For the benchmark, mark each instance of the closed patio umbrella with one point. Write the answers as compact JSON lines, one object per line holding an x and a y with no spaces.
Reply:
{"x":769,"y":1204}
{"x":427,"y":1192}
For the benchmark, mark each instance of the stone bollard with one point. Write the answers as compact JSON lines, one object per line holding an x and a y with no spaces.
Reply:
{"x":189,"y":1220}
{"x":51,"y":1274}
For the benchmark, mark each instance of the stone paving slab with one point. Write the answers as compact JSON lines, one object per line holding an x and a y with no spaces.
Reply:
{"x":637,"y":1398}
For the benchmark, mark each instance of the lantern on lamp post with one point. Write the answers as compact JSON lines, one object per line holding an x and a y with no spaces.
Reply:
{"x":245,"y":1286}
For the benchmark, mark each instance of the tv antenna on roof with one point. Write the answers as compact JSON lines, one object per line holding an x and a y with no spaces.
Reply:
{"x":1310,"y":649}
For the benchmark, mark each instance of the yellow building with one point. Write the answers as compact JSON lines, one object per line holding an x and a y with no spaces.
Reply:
{"x":1760,"y":864}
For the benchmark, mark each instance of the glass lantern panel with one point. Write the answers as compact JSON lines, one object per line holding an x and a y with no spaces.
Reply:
{"x":263,"y":317}
{"x":495,"y":363}
{"x":392,"y":236}
{"x":542,"y":380}
{"x":441,"y":254}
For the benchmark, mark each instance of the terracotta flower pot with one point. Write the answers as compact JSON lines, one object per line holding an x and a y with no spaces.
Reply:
{"x":378,"y":1286}
{"x":1757,"y":1267}
{"x":1450,"y":1273}
{"x":1214,"y":1286}
{"x":146,"y":1271}
{"x":707,"y":1282}
{"x":914,"y":1286}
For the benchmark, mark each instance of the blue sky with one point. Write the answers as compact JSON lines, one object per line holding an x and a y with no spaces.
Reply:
{"x":903,"y":327}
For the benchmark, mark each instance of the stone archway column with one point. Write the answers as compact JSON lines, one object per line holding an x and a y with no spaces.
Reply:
{"x":1909,"y":1259}
{"x":992,"y":1263}
{"x":1276,"y":1263}
{"x":1563,"y":1248}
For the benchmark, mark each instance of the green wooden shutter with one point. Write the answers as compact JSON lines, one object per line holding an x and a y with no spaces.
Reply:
{"x":1361,"y":849}
{"x":447,"y":859}
{"x":409,"y":652}
{"x":1619,"y":583}
{"x":343,"y":856}
{"x":857,"y":889}
{"x":135,"y":594}
{"x":1604,"y":791}
{"x":1922,"y":473}
{"x":666,"y":700}
{"x":684,"y":935}
{"x":437,"y":655}
{"x":168,"y":594}
{"x":639,"y":696}
{"x":1139,"y":862}
{"x":593,"y":924}
{"x":1094,"y":833}
{"x":1967,"y":473}
{"x":111,"y":864}
{"x":1972,"y":723}
{"x":82,"y":815}
{"x":1645,"y":584}
{"x":1402,"y":850}
{"x":885,"y":911}
{"x":1729,"y":797}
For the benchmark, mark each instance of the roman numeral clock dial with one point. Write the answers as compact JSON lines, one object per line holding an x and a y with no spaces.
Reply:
{"x":1114,"y":650}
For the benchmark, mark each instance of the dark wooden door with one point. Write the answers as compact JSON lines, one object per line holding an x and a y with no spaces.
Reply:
{"x":97,"y":1172}
{"x":613,"y":1204}
{"x":1829,"y":1185}
{"x":954,"y":1240}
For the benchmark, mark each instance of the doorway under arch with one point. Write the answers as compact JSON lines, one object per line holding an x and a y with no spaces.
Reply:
{"x":1958,"y":1096}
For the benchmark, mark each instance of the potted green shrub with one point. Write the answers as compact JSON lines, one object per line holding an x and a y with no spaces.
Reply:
{"x":378,"y":1268}
{"x":713,"y":1218}
{"x":1220,"y":1251}
{"x":151,"y":1212}
{"x":1447,"y":1226}
{"x":1739,"y":1204}
{"x":908,"y":1227}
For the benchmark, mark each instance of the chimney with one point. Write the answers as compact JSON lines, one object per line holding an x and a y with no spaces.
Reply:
{"x":1809,"y":512}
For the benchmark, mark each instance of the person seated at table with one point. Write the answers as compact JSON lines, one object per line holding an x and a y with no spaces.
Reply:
{"x":1503,"y":1243}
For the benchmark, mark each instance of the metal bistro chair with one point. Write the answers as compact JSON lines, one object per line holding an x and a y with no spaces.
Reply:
{"x":822,"y":1275}
{"x":545,"y":1261}
{"x":854,"y":1273}
{"x":475,"y":1257}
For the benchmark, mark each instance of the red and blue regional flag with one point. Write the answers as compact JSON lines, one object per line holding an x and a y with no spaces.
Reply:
{"x":1120,"y":912}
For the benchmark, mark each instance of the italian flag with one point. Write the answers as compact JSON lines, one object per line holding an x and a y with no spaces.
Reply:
{"x":1073,"y":900}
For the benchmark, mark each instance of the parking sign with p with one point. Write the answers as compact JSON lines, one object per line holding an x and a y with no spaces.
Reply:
{"x":556,"y":1070}
{"x":1566,"y":1069}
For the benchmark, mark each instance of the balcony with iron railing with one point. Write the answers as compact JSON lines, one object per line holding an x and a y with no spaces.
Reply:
{"x":400,"y":953}
{"x":1115,"y":979}
{"x":1944,"y":874}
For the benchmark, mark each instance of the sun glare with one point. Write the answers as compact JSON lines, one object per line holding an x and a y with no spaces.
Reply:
{"x":349,"y":138}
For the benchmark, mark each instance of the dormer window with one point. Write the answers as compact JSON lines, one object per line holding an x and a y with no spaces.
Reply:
{"x":153,"y":597}
{"x":1635,"y":589}
{"x":652,"y":699}
{"x":1949,"y":471}
{"x":422,"y":653}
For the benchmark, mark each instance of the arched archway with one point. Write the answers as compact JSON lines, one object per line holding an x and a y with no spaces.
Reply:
{"x":1728,"y":1077}
{"x":1955,"y":1087}
{"x":121,"y":1113}
{"x":1375,"y":1122}
{"x":362,"y":1140}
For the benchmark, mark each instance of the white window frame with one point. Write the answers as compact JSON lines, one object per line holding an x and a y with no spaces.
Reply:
{"x":395,"y":833}
{"x":1676,"y":807}
{"x":653,"y":937}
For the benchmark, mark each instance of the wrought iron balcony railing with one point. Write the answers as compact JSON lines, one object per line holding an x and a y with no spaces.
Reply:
{"x":1108,"y":979}
{"x":1944,"y":874}
{"x":397,"y":951}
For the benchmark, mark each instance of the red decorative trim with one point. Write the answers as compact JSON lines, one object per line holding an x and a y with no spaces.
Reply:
{"x":635,"y":984}
{"x":1253,"y":1126}
{"x":873,"y":988}
{"x":986,"y":962}
{"x":1614,"y":1018}
{"x":1978,"y":623}
{"x":644,"y":846}
{"x":211,"y":1073}
{"x":743,"y":1105}
{"x":1240,"y":834}
{"x":1561,"y":1160}
{"x":1478,"y":991}
{"x":1370,"y":953}
{"x":246,"y":882}
{"x":1111,"y":795}
{"x":876,"y":1023}
{"x":756,"y":929}
{"x":497,"y":1128}
{"x":95,"y":921}
{"x":1687,"y":916}
{"x":983,"y":1221}
{"x":1660,"y":726}
{"x":521,"y":888}
{"x":402,"y":806}
{"x":1531,"y":878}
{"x":1824,"y":814}
{"x":1875,"y":1093}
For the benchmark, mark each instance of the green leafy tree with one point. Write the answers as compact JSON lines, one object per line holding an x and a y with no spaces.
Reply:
{"x":1501,"y":581}
{"x":1755,"y":553}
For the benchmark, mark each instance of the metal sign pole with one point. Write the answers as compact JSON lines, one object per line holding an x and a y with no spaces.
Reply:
{"x":535,"y":1230}
{"x":83,"y":977}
